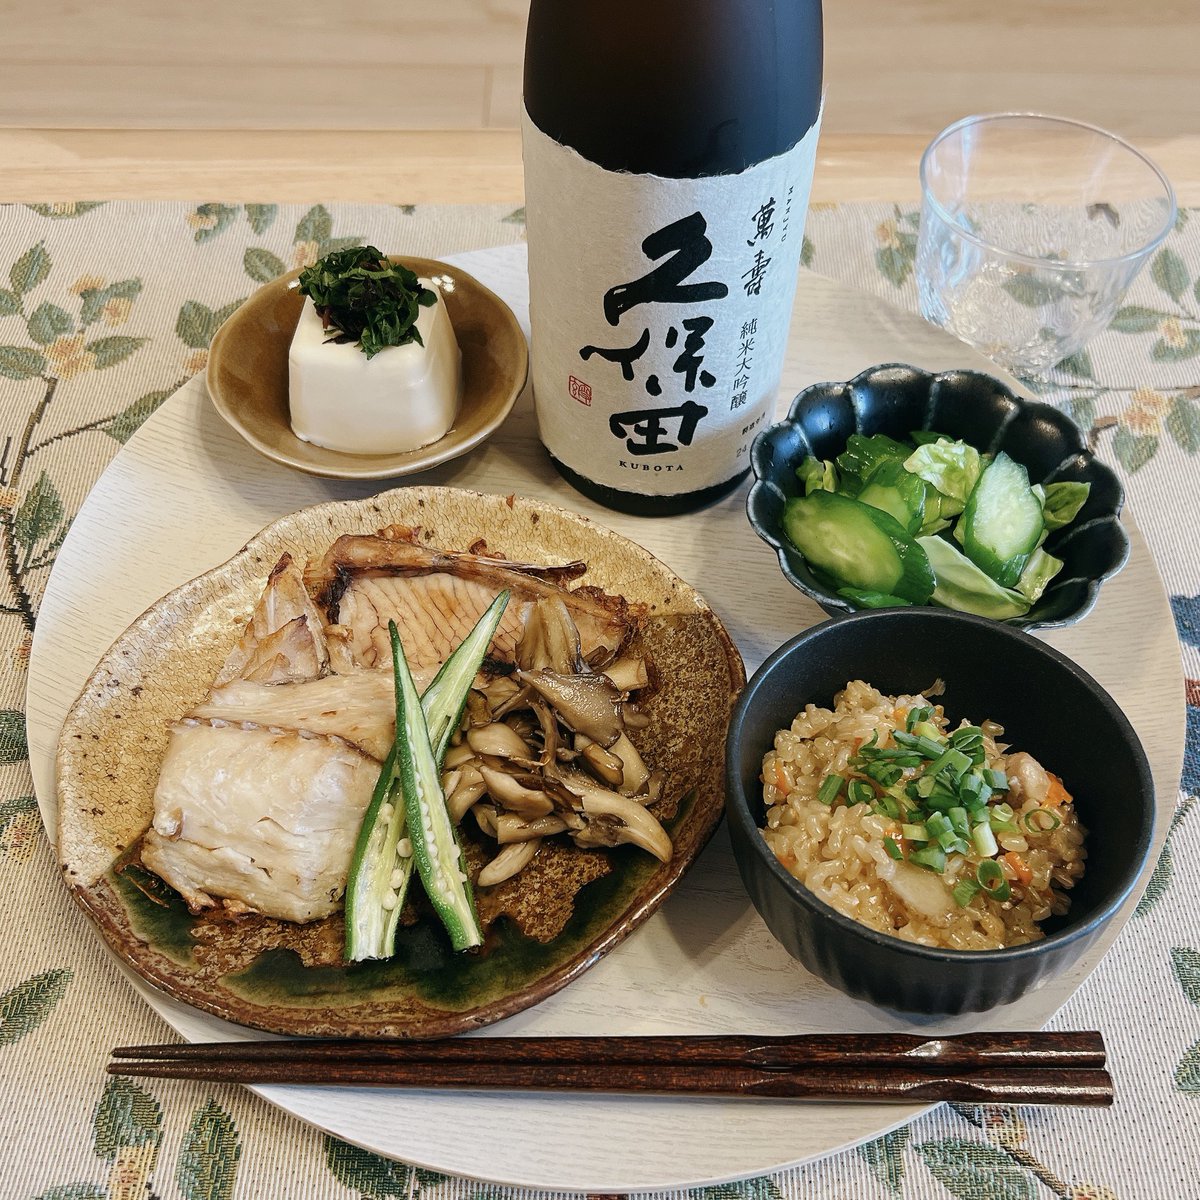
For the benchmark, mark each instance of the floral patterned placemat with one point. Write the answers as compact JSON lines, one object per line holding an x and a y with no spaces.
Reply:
{"x":107,"y":308}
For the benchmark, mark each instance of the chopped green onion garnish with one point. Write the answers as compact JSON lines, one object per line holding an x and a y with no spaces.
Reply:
{"x":974,"y":791}
{"x":885,"y":774}
{"x":893,"y":848}
{"x":916,"y":716}
{"x":997,"y":780}
{"x":985,"y":840}
{"x":954,"y":761}
{"x":990,"y":877}
{"x":952,"y":843}
{"x":931,"y":857}
{"x":1001,"y":819}
{"x":830,"y":788}
{"x":1041,"y":820}
{"x":859,"y":792}
{"x":958,"y":821}
{"x":966,"y":733}
{"x":941,"y":799}
{"x":965,"y":891}
{"x":927,"y":729}
{"x":915,"y":833}
{"x":922,"y":745}
{"x":890,"y":806}
{"x":937,"y":824}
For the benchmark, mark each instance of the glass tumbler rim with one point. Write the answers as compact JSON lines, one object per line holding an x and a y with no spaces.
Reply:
{"x":1032,"y":260}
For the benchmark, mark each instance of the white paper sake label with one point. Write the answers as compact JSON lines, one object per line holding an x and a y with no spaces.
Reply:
{"x":659,"y":311}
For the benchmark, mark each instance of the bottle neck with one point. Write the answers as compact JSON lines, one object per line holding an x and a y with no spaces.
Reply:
{"x":679,"y":88}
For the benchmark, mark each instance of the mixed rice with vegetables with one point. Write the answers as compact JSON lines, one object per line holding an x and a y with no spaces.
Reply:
{"x":940,"y":836}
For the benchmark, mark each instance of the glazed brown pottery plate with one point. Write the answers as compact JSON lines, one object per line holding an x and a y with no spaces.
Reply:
{"x":247,"y":375}
{"x":545,"y":926}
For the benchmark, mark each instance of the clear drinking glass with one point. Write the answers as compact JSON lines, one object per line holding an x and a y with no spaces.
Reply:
{"x":1032,"y":228}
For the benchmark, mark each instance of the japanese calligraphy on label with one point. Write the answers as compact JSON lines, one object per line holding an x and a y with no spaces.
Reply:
{"x":659,"y":312}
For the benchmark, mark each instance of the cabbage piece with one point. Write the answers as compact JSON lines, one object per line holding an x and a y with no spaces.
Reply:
{"x":1062,"y":503}
{"x":1039,"y":571}
{"x":951,"y":467}
{"x":817,"y":475}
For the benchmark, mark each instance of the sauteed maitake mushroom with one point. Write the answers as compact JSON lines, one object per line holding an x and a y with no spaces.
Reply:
{"x":545,"y":749}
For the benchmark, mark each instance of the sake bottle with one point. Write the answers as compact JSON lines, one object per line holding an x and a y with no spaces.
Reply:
{"x":669,"y":149}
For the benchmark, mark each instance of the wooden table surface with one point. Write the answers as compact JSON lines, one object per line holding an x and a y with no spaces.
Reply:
{"x":417,"y":167}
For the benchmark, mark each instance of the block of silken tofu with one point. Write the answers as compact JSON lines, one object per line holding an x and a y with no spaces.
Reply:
{"x":402,"y":398}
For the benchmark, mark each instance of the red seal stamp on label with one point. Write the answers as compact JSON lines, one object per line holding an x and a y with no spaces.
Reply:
{"x":579,"y":390}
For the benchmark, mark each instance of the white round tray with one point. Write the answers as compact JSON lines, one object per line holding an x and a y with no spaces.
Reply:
{"x":186,"y":493}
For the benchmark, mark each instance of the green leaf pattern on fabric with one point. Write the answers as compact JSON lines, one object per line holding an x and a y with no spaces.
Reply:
{"x":261,"y":265}
{"x":24,"y":1007}
{"x":47,"y":322}
{"x":126,"y":1115}
{"x":13,"y":748}
{"x":129,"y":420}
{"x":208,"y":1159}
{"x":1164,"y":869}
{"x":20,"y":362}
{"x":885,"y":1157}
{"x":30,"y":270}
{"x":371,"y":1175}
{"x":974,"y":1171}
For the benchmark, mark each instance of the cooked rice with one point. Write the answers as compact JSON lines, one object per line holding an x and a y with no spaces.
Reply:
{"x":838,"y":851}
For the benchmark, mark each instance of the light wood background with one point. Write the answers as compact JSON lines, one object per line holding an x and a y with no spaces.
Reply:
{"x":893,"y":66}
{"x":416,"y":101}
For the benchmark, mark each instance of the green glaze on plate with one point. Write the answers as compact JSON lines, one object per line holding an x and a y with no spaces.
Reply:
{"x":543,"y":928}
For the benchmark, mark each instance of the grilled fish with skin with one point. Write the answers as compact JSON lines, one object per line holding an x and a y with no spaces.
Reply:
{"x":264,"y":784}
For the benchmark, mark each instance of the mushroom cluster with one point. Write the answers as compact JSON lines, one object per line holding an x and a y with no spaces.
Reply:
{"x":544,"y":749}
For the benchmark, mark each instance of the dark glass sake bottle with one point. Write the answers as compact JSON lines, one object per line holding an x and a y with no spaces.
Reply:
{"x":669,"y":148}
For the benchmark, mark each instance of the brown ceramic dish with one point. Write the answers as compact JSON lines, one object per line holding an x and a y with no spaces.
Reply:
{"x":547,"y":926}
{"x":247,"y":376}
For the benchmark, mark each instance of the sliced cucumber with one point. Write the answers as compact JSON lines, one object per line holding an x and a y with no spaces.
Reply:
{"x":1002,"y":523}
{"x":379,"y":871}
{"x":897,"y":492}
{"x":858,"y":546}
{"x":963,"y":586}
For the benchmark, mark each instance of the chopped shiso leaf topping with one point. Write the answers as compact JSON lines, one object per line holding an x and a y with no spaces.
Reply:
{"x":366,"y":298}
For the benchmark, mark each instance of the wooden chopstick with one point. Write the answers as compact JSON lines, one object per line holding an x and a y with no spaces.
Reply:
{"x":861,"y":1067}
{"x":914,"y":1051}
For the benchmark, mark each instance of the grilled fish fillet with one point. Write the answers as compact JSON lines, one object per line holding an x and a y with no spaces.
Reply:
{"x":264,"y":785}
{"x":436,"y":598}
{"x":264,"y":821}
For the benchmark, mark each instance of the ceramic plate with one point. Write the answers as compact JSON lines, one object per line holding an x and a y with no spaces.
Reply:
{"x":248,"y":376}
{"x":565,"y":911}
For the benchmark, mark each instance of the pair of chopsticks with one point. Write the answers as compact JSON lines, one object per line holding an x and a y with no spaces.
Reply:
{"x":979,"y":1068}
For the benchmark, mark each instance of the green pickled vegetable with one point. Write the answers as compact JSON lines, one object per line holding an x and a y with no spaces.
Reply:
{"x":1002,"y":523}
{"x":897,"y":492}
{"x":951,"y":467}
{"x":1062,"y":503}
{"x":963,"y":586}
{"x":858,"y":546}
{"x":864,"y":455}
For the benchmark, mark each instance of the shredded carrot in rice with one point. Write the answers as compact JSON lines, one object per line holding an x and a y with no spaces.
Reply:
{"x":1020,"y":868}
{"x":1057,"y":794}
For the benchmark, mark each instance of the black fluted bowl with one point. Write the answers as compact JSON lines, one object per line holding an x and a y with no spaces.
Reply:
{"x":967,"y":405}
{"x":1047,"y":705}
